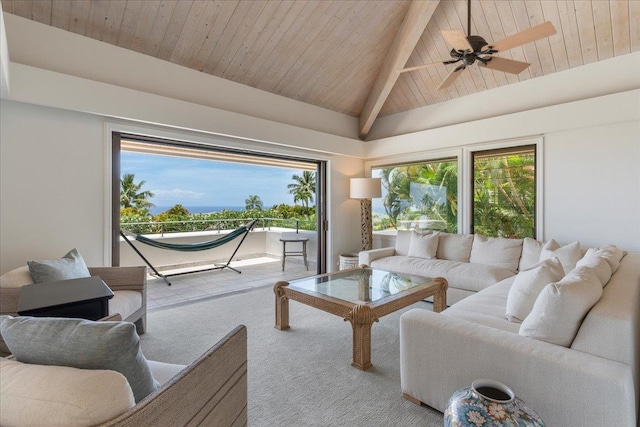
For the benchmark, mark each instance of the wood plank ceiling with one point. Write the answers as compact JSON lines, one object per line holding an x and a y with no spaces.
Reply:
{"x":329,"y":52}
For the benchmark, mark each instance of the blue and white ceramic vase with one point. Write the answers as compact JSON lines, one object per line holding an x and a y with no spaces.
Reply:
{"x":488,"y":403}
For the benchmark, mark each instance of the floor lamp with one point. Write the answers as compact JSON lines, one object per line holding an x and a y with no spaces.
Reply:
{"x":365,"y":189}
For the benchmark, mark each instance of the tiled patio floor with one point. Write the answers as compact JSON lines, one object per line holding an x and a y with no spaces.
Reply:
{"x":188,"y":288}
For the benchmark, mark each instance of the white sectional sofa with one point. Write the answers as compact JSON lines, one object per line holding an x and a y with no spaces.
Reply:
{"x":469,"y":264}
{"x":575,"y":356}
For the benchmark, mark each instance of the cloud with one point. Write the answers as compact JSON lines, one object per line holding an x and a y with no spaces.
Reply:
{"x":177,"y":193}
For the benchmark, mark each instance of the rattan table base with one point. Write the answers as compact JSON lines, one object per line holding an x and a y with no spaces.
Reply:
{"x":360,"y":315}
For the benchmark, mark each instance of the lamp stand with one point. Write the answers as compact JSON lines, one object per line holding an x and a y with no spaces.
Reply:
{"x":366,"y":230}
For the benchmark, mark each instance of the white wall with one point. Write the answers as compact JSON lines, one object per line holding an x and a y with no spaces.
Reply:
{"x":51,"y":184}
{"x":53,"y":196}
{"x":592,"y":185}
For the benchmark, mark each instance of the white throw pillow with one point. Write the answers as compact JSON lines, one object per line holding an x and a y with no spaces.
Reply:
{"x":527,"y":286}
{"x":53,"y":396}
{"x":561,"y":307}
{"x":423,"y":245}
{"x":403,"y":239}
{"x":498,"y":251}
{"x":612,"y":255}
{"x":598,"y":264}
{"x":531,"y":250}
{"x":568,"y":255}
{"x":454,"y":247}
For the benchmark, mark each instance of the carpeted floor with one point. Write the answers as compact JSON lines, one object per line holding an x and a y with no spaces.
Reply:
{"x":300,"y":377}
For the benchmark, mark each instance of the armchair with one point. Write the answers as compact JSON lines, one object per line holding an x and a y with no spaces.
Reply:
{"x":210,"y":391}
{"x":129,"y":286}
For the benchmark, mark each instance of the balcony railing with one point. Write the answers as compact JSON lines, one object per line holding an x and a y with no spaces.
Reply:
{"x":219,"y":225}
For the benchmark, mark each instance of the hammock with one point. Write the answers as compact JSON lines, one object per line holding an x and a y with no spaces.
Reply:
{"x":192,"y":247}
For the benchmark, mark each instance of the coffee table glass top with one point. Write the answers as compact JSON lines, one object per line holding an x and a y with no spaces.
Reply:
{"x":359,"y":285}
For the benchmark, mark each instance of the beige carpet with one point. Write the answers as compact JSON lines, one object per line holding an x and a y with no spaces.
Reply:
{"x":300,"y":377}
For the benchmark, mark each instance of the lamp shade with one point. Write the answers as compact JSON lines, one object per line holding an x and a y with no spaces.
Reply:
{"x":365,"y":188}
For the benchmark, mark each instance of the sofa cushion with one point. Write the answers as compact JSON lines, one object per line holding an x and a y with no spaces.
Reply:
{"x":612,"y":327}
{"x":423,"y":245}
{"x":486,"y":307}
{"x":60,"y":395}
{"x":463,"y":275}
{"x":531,"y":249}
{"x":81,"y":344}
{"x":125,"y":303}
{"x":568,"y":254}
{"x":454,"y":247}
{"x":70,"y":266}
{"x":560,"y":308}
{"x":528,"y":284}
{"x":496,"y":251}
{"x":403,"y":240}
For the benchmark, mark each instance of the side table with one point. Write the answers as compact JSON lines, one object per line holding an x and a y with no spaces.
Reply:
{"x":294,"y":238}
{"x":86,"y":298}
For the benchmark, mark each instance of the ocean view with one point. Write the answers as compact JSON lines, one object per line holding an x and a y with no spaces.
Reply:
{"x":197,"y":209}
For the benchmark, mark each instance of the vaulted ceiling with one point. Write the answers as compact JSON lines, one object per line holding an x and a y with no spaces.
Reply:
{"x":332,"y":53}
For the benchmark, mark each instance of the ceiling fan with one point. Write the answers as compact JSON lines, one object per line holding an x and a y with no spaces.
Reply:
{"x":471,"y":49}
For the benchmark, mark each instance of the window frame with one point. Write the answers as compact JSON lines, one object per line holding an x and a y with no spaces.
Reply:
{"x":464,"y":156}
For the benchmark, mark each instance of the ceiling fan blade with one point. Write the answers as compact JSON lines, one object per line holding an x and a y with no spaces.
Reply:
{"x":453,"y":75}
{"x":419,"y":67}
{"x":457,"y":40}
{"x":505,"y":65}
{"x":523,"y":37}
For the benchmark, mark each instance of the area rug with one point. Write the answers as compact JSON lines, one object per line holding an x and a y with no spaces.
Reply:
{"x":299,"y":377}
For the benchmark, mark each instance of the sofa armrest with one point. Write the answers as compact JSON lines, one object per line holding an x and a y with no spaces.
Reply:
{"x":440,"y":354}
{"x":210,"y":391}
{"x":122,"y":278}
{"x":366,"y":257}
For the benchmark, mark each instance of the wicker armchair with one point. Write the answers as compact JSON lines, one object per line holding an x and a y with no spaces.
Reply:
{"x":211,"y":391}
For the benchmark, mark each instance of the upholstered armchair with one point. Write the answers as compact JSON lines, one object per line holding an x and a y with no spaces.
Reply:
{"x":129,"y":286}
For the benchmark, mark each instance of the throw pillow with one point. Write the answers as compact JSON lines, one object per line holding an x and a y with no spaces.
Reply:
{"x":527,"y":286}
{"x":54,"y":396}
{"x":531,"y":250}
{"x":70,"y":266}
{"x":423,"y":245}
{"x":454,"y":247}
{"x":403,"y":239}
{"x":498,"y":251}
{"x":568,"y":255}
{"x":81,"y":344}
{"x":598,"y":264}
{"x":561,"y":307}
{"x":612,"y":255}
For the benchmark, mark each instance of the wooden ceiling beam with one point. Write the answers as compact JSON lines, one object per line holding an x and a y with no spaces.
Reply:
{"x":413,"y":25}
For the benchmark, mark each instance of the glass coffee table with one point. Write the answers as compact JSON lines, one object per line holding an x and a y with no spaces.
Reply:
{"x":361,"y":296}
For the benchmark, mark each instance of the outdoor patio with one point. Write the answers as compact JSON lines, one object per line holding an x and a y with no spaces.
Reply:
{"x":256,"y":272}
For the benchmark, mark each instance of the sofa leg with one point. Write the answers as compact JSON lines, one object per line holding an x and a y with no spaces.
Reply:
{"x":141,"y":325}
{"x":411,"y":399}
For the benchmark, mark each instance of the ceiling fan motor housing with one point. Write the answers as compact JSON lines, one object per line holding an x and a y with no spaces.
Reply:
{"x":477,"y":43}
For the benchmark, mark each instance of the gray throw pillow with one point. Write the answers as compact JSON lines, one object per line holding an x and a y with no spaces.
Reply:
{"x":80,"y":344}
{"x":70,"y":266}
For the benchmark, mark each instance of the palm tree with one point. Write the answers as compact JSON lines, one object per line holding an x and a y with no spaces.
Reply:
{"x":131,"y":195}
{"x":304,"y":188}
{"x":253,"y":202}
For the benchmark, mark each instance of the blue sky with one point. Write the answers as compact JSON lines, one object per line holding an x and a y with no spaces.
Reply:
{"x":195,"y":182}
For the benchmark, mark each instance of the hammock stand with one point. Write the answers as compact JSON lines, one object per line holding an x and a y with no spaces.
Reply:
{"x":192,"y":247}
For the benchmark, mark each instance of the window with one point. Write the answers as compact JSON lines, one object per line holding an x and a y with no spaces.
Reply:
{"x":422,"y":195}
{"x":504,"y":192}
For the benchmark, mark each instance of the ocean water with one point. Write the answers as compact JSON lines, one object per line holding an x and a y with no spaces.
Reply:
{"x":197,"y":209}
